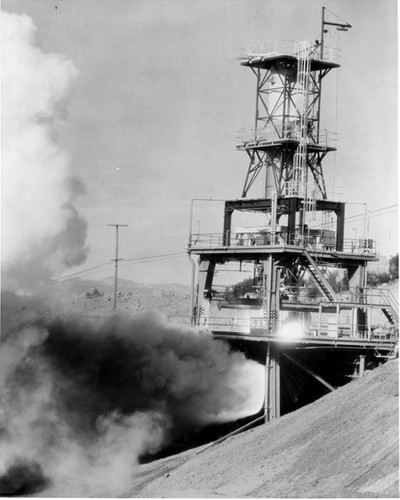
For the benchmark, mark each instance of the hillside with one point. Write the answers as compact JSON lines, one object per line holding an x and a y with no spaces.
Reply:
{"x":343,"y":445}
{"x":91,"y":298}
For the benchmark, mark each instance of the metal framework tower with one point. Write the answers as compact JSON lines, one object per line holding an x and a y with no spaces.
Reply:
{"x":293,"y":250}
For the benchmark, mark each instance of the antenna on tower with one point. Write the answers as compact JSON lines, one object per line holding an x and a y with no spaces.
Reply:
{"x":343,"y":26}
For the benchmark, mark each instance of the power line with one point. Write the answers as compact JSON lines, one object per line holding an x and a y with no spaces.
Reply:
{"x":147,"y":261}
{"x":62,"y":280}
{"x":362,"y":215}
{"x":83,"y":271}
{"x":134,"y":260}
{"x":154,"y":256}
{"x":373,"y":211}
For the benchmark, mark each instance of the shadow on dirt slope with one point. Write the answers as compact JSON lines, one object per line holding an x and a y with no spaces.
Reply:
{"x":343,"y":445}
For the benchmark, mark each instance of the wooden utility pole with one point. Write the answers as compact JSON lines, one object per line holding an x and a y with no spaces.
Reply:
{"x":117,"y":226}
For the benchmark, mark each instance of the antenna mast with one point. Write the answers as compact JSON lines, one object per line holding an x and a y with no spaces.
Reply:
{"x":339,"y":26}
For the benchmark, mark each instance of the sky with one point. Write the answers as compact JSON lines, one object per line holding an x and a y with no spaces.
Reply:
{"x":159,"y":96}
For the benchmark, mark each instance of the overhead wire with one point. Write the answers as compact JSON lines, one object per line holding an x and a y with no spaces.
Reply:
{"x":83,"y":271}
{"x":158,"y":258}
{"x":130,"y":261}
{"x":362,"y":215}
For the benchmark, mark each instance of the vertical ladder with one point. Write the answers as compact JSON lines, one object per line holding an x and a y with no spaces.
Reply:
{"x":297,"y":186}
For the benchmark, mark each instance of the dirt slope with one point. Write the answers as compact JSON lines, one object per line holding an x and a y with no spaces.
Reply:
{"x":343,"y":445}
{"x":95,"y":298}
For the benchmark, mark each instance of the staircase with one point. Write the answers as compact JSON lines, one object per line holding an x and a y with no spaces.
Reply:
{"x":319,"y":279}
{"x":391,"y":308}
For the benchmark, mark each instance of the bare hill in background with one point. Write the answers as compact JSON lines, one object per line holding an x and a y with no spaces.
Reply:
{"x":95,"y":298}
{"x":343,"y":445}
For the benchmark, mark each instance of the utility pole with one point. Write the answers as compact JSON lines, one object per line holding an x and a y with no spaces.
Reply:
{"x":117,"y":226}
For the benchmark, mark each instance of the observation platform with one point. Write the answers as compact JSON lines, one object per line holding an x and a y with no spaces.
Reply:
{"x":328,"y":335}
{"x":256,"y":244}
{"x":287,"y":53}
{"x":386,"y":344}
{"x":263,"y":141}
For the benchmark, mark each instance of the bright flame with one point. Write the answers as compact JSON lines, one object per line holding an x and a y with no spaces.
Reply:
{"x":292,"y":330}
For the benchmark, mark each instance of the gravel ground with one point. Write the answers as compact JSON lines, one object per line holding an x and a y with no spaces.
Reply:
{"x":343,"y":445}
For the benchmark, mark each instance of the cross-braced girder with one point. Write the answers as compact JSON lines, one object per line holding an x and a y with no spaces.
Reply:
{"x":288,"y":102}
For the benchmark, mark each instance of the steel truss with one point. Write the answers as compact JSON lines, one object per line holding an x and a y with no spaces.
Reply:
{"x":276,"y":135}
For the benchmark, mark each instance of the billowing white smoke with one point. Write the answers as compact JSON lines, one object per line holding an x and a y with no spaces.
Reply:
{"x":82,"y":402}
{"x":41,"y":230}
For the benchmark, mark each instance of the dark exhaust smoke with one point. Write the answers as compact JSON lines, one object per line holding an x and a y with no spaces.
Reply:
{"x":23,"y":477}
{"x":85,"y":399}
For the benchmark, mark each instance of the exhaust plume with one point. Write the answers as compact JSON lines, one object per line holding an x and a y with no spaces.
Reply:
{"x":37,"y":196}
{"x":84,"y":400}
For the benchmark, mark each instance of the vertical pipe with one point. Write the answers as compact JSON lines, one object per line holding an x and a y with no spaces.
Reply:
{"x":369,"y":321}
{"x":257,"y":97}
{"x":273,"y":218}
{"x":267,"y":394}
{"x":319,"y":318}
{"x":277,"y":404}
{"x":320,"y":74}
{"x":337,"y":320}
{"x":192,"y":262}
{"x":285,"y":84}
{"x":322,"y":32}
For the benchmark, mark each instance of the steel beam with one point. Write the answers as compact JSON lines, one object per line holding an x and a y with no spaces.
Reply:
{"x":309,"y":371}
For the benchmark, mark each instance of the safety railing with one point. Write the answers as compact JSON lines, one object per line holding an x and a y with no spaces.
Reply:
{"x":381,"y":296}
{"x":323,"y":243}
{"x":359,"y":246}
{"x":259,"y":326}
{"x":226,"y":296}
{"x":277,"y":132}
{"x":291,"y":48}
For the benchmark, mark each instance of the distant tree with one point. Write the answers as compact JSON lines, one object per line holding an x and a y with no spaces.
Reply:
{"x":394,"y":267}
{"x":243,"y":287}
{"x":376,"y":279}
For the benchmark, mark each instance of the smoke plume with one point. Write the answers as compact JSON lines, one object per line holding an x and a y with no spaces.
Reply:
{"x":37,"y":196}
{"x":81,"y":401}
{"x":84,"y":400}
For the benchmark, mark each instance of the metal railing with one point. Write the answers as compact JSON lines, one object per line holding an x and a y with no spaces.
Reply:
{"x":291,"y":48}
{"x":321,"y":243}
{"x":381,"y":296}
{"x":277,"y":132}
{"x":258,"y":326}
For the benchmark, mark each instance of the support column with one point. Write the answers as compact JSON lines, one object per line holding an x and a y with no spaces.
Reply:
{"x":291,"y":220}
{"x":356,"y":276}
{"x":226,"y":238}
{"x":206,"y":274}
{"x":340,"y":227}
{"x":271,"y":294}
{"x":361,"y":368}
{"x":272,"y":393}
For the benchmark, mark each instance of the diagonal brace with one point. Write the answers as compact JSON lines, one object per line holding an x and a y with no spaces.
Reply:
{"x":310,"y":372}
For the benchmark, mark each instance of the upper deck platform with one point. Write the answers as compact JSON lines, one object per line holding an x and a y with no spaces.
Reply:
{"x":287,"y":53}
{"x":253,"y":245}
{"x":286,"y":135}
